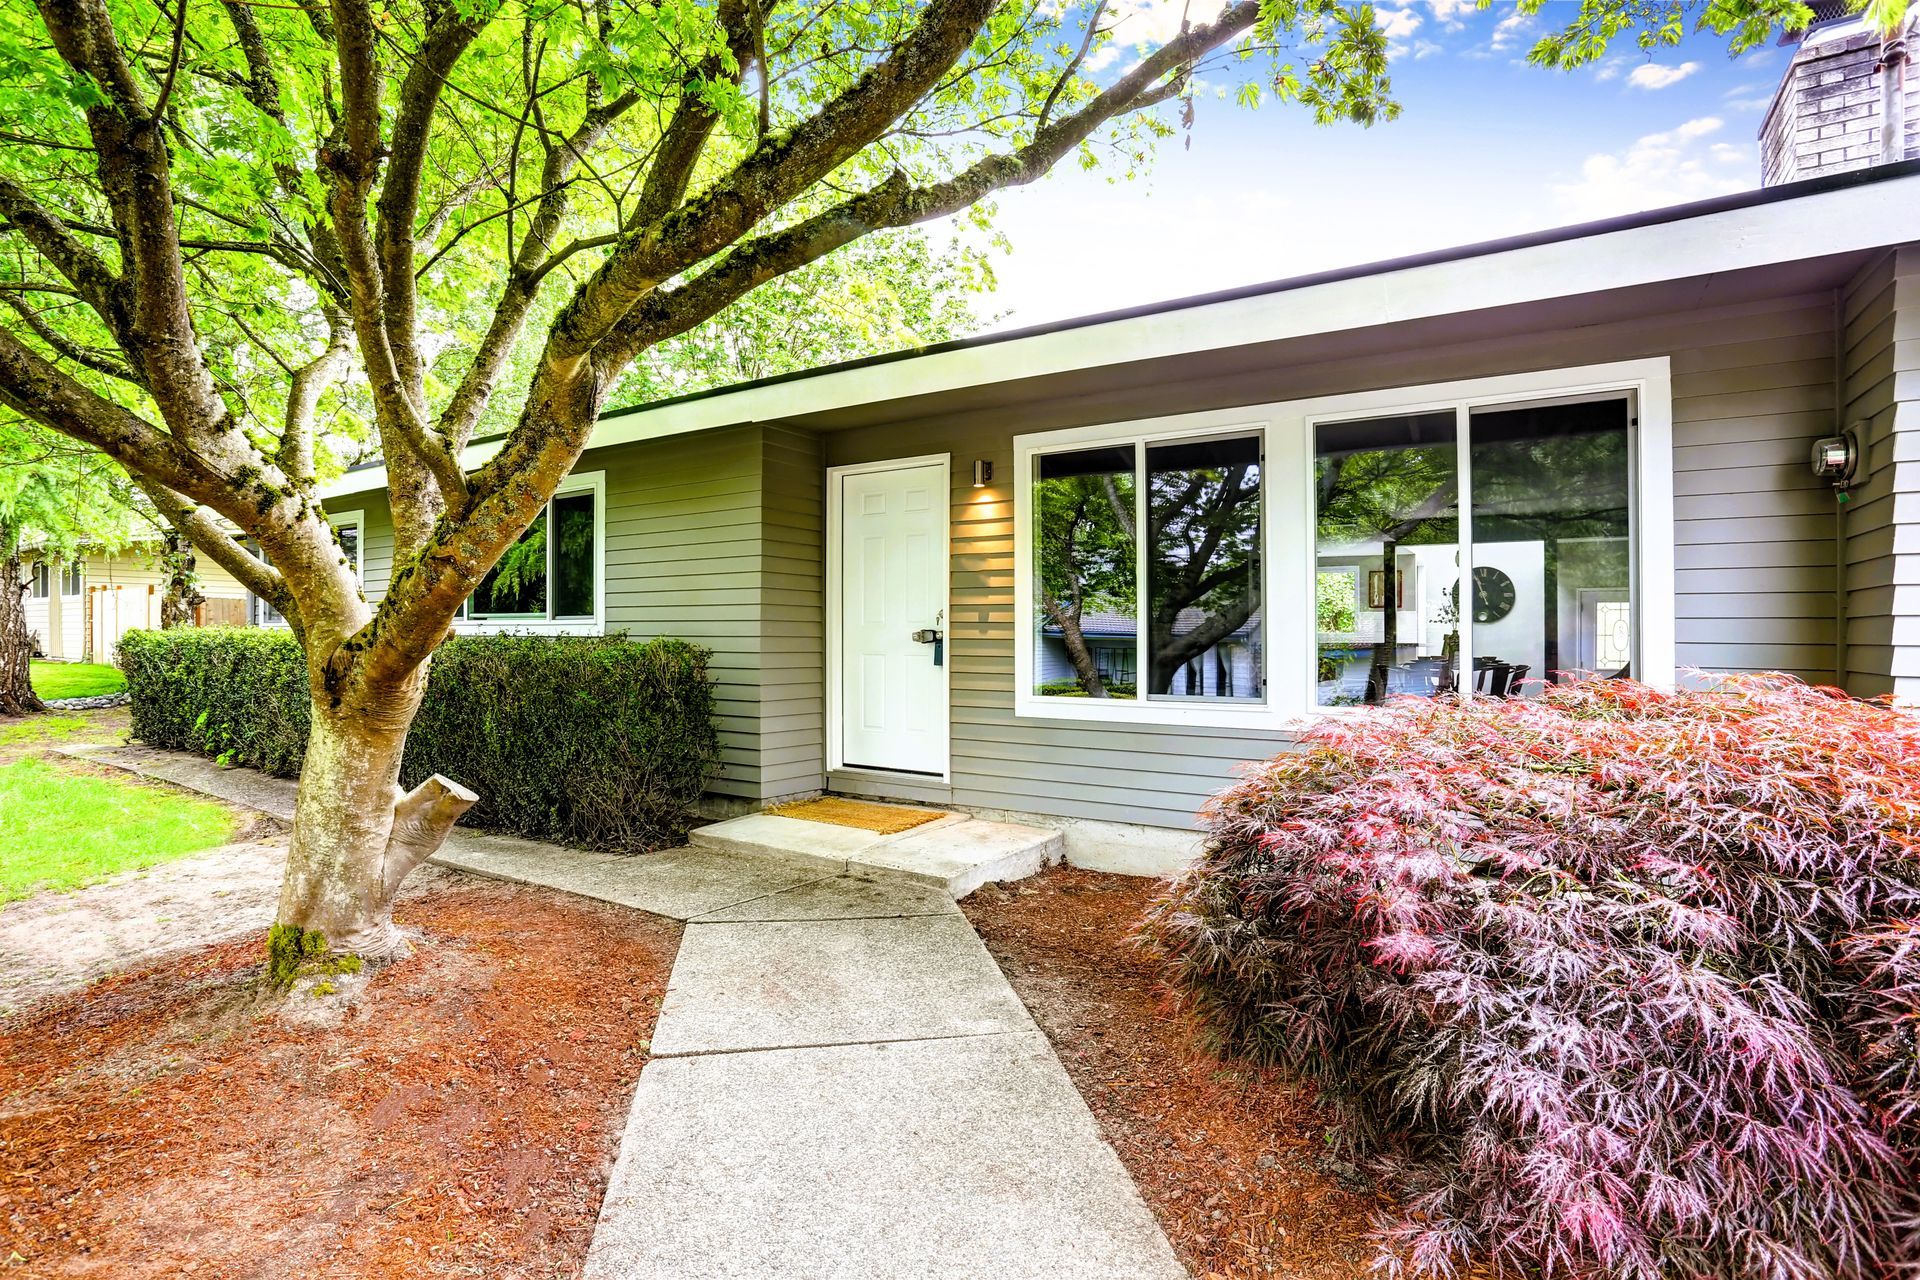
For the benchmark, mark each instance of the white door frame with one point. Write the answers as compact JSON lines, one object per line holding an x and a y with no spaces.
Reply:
{"x":836,"y":761}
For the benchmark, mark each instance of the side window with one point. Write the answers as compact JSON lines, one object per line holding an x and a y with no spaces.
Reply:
{"x":552,"y":573}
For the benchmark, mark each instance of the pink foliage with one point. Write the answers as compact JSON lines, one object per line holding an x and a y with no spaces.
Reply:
{"x":1611,"y":982}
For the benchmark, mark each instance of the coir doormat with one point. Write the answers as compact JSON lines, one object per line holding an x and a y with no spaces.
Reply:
{"x":886,"y":819}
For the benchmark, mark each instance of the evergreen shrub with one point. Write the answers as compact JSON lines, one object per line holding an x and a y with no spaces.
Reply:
{"x":591,"y":740}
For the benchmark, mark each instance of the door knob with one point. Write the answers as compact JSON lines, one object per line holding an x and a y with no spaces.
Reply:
{"x":930,"y":636}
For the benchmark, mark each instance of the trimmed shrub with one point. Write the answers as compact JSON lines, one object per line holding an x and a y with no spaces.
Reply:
{"x":1608,"y":983}
{"x":592,"y":740}
{"x":238,"y":694}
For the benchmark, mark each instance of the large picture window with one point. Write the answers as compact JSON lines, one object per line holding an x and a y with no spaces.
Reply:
{"x":1243,"y":567}
{"x":1536,"y":585}
{"x":1194,"y":633}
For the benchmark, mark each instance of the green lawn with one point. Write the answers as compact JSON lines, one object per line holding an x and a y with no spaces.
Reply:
{"x":76,"y":679}
{"x":65,"y":828}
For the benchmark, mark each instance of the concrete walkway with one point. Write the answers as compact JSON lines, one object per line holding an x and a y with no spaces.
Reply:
{"x":841,"y":1082}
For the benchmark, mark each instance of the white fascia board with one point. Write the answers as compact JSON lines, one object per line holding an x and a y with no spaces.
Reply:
{"x":1871,"y":215}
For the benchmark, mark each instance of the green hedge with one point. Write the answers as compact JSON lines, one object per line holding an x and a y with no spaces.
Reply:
{"x":592,"y":740}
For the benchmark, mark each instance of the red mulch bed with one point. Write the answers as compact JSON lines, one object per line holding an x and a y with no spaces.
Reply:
{"x":461,"y":1120}
{"x":1232,"y":1160}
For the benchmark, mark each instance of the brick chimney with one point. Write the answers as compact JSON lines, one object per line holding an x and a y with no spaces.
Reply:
{"x":1849,"y":99}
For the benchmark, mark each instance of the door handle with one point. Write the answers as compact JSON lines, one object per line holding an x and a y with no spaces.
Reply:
{"x":935,"y":638}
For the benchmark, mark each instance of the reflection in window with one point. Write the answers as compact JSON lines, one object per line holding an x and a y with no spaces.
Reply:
{"x":516,"y":586}
{"x":1387,"y":549}
{"x":1086,"y":606}
{"x":573,"y":557}
{"x":1552,"y":565}
{"x":72,"y":578}
{"x":1203,"y":568}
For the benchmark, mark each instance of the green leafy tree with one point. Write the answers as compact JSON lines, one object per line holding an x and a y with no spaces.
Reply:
{"x":58,"y":497}
{"x":211,"y":212}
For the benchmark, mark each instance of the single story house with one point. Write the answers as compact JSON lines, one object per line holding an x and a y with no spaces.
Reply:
{"x":1605,"y":430}
{"x":79,"y":606}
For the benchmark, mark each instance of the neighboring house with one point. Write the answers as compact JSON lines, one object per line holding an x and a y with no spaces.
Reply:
{"x":1229,"y":667}
{"x":1271,"y":499}
{"x":77,"y":609}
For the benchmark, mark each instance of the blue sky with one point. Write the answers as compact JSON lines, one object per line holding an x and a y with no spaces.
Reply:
{"x":1486,"y":147}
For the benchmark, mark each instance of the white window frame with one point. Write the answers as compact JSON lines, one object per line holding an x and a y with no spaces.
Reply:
{"x":358,"y":521}
{"x":39,"y":580}
{"x":78,"y":570}
{"x":1291,"y":558}
{"x":594,"y":482}
{"x":1257,"y":421}
{"x":257,"y":608}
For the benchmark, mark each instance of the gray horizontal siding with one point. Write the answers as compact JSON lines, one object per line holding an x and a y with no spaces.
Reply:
{"x":699,"y":548}
{"x":1880,"y":362}
{"x":1755,"y":533}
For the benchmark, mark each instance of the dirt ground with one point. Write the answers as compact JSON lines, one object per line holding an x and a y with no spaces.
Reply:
{"x":461,"y":1121}
{"x":1233,"y":1162}
{"x":55,"y":942}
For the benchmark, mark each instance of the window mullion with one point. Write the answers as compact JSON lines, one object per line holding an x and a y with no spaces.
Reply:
{"x":1141,"y":662}
{"x":1464,"y":609}
{"x":553,"y":560}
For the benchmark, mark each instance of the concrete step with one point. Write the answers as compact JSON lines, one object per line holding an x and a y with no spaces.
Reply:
{"x":956,"y":853}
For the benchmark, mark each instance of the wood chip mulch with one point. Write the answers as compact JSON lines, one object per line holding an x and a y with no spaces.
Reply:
{"x":460,"y":1119}
{"x":1233,"y":1161}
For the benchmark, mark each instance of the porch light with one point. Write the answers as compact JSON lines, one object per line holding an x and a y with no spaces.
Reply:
{"x":1837,"y":458}
{"x":982,"y":473}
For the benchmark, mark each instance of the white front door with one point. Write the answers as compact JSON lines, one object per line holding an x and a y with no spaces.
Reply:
{"x":892,"y":586}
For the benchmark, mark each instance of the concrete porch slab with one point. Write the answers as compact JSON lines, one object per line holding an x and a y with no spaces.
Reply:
{"x":841,"y":898}
{"x":786,"y":984}
{"x":956,"y":853}
{"x":962,"y":857}
{"x":769,"y":835}
{"x":969,"y":1157}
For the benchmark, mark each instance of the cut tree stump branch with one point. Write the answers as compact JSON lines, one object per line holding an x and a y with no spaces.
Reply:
{"x":422,"y":818}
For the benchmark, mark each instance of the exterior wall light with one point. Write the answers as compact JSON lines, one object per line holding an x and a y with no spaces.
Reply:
{"x":982,"y":473}
{"x":1837,"y":458}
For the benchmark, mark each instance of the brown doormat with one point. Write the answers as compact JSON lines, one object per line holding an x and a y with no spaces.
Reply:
{"x":886,"y":819}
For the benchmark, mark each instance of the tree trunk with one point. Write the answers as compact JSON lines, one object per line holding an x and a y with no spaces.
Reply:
{"x":1078,"y":654}
{"x":356,"y":836}
{"x":16,"y":642}
{"x":1386,"y":654}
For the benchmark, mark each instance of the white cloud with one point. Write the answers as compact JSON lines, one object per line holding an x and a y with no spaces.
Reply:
{"x":1452,"y":14}
{"x":1682,"y":164}
{"x":1156,"y":21}
{"x":1652,"y":75}
{"x":1396,"y":24}
{"x":1609,"y":68}
{"x":1511,"y":29}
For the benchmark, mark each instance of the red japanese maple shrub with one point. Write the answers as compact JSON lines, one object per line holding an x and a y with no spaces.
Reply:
{"x":1612,"y":982}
